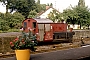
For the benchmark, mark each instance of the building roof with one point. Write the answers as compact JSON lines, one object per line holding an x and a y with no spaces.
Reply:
{"x":42,"y":20}
{"x":46,"y":10}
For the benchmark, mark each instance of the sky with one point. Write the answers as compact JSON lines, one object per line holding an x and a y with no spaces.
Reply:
{"x":63,"y":4}
{"x":57,"y":4}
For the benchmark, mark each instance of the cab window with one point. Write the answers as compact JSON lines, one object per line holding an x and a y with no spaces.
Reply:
{"x":25,"y":24}
{"x":47,"y":27}
{"x":34,"y":24}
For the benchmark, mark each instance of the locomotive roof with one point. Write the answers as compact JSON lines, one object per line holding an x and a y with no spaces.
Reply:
{"x":42,"y":20}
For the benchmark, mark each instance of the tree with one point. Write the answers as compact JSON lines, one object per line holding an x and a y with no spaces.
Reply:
{"x":81,"y":3}
{"x":70,"y":16}
{"x":77,"y":15}
{"x":38,"y":2}
{"x":22,"y":6}
{"x":4,"y":25}
{"x":3,"y":22}
{"x":11,"y":21}
{"x":51,"y":4}
{"x":25,"y":6}
{"x":16,"y":20}
{"x":40,"y":7}
{"x":54,"y":16}
{"x":32,"y":14}
{"x":84,"y":15}
{"x":43,"y":7}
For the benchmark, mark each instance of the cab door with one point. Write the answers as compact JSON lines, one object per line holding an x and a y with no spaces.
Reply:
{"x":48,"y":32}
{"x":41,"y":32}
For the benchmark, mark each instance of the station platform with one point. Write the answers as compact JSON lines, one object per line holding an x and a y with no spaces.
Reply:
{"x":68,"y":54}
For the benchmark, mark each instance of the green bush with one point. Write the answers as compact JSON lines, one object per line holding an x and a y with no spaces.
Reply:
{"x":0,"y":31}
{"x":14,"y":30}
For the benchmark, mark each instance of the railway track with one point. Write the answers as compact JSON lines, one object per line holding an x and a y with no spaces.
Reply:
{"x":45,"y":48}
{"x":51,"y":47}
{"x":48,"y":48}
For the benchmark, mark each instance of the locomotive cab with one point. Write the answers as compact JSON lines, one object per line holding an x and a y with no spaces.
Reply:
{"x":30,"y":24}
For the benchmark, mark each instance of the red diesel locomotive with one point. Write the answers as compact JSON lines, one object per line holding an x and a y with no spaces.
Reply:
{"x":47,"y":31}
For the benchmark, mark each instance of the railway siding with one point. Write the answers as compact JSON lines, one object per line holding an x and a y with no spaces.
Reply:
{"x":6,"y":51}
{"x":41,"y":49}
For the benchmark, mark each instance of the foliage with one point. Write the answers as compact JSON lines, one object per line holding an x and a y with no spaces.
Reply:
{"x":4,"y":26}
{"x":81,"y":3}
{"x":3,"y":23}
{"x":84,"y":15}
{"x":10,"y":21}
{"x":77,"y":15}
{"x":40,"y":7}
{"x":51,"y":5}
{"x":1,"y":20}
{"x":26,"y":41}
{"x":43,"y":7}
{"x":13,"y":30}
{"x":25,"y":6}
{"x":16,"y":20}
{"x":22,"y":6}
{"x":54,"y":15}
{"x":32,"y":14}
{"x":29,"y":8}
{"x":1,"y":15}
{"x":70,"y":15}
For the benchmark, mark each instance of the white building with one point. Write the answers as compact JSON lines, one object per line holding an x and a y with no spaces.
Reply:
{"x":46,"y":12}
{"x":2,"y":8}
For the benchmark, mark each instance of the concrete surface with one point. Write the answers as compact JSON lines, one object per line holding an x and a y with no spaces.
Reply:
{"x":70,"y":54}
